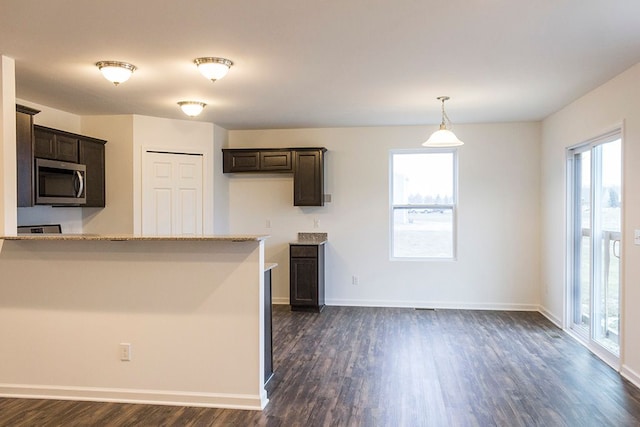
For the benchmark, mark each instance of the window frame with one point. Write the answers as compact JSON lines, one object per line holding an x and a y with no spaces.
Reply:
{"x":452,"y":206}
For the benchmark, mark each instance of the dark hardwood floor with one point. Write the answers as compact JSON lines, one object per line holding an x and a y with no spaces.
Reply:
{"x":353,"y":366}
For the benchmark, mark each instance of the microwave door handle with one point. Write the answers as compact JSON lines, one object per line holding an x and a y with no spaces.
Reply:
{"x":81,"y":182}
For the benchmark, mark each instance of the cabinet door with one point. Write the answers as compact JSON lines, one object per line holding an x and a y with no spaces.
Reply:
{"x":92,"y":155}
{"x":277,"y":161}
{"x":304,"y":282}
{"x":44,"y":145}
{"x":240,"y":161}
{"x":24,"y":156}
{"x":308,"y":178}
{"x":66,"y":148}
{"x":49,"y":145}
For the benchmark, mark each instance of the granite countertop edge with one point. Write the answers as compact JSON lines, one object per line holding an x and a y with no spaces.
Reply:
{"x":309,"y":242}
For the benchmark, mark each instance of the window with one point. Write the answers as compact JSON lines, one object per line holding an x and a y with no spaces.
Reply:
{"x":423,"y":185}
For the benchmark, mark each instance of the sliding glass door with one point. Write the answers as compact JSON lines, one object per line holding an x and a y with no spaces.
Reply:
{"x":595,"y":232}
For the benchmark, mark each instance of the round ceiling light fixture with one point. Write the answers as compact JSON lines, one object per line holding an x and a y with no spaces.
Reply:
{"x":192,"y":108}
{"x":212,"y":67}
{"x":115,"y":71}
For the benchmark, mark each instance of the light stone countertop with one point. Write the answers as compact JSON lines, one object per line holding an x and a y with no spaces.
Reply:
{"x":310,"y":239}
{"x":128,"y":237}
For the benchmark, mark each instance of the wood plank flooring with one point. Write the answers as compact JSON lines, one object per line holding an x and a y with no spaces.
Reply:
{"x":351,"y":366}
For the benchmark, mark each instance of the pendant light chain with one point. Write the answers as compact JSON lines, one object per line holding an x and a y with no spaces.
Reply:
{"x":444,"y":123}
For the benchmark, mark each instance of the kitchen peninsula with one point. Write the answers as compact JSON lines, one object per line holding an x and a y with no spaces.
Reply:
{"x":163,"y":320}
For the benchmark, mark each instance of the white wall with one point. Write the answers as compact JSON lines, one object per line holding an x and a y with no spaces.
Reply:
{"x":117,"y":216}
{"x":498,"y":217}
{"x":53,"y":118}
{"x":615,"y":102}
{"x":221,"y":185}
{"x":191,"y":310}
{"x":8,"y":194}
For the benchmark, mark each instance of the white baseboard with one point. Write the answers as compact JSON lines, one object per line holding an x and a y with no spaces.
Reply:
{"x":152,"y":397}
{"x":421,"y":304}
{"x":631,"y":375}
{"x":432,"y":304}
{"x":553,"y":319}
{"x":280,"y":300}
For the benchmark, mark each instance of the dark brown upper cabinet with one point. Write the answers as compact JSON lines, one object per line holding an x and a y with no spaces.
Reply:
{"x":50,"y":144}
{"x":306,"y":164}
{"x":24,"y":154}
{"x":308,"y":177}
{"x":275,"y":161}
{"x":250,"y":160}
{"x":34,"y":141}
{"x":91,"y":154}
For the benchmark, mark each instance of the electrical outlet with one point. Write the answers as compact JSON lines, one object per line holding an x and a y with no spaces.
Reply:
{"x":316,"y":223}
{"x":268,"y":223}
{"x":125,"y":352}
{"x":355,"y":280}
{"x":636,"y":237}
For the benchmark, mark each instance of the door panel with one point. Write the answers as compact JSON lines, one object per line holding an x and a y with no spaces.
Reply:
{"x":172,"y":194}
{"x":162,"y":209}
{"x":596,"y":182}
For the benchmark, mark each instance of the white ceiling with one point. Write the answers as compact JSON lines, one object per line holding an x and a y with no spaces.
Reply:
{"x":321,"y":63}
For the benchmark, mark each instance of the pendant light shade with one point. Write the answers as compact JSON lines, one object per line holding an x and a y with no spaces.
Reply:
{"x":443,"y":137}
{"x":192,"y":108}
{"x":115,"y":71}
{"x":213,"y":68}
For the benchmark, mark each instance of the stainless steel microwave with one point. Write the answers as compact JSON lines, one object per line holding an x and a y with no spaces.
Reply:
{"x":60,"y":183}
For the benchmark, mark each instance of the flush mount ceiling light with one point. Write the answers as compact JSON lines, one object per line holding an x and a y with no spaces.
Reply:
{"x":192,"y":108}
{"x":443,"y":137}
{"x":213,"y":68}
{"x":115,"y":71}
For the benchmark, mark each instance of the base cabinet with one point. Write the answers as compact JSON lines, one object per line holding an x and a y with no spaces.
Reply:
{"x":306,"y":281}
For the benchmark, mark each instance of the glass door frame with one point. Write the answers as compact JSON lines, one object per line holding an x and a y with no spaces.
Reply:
{"x":572,"y":204}
{"x":574,"y":244}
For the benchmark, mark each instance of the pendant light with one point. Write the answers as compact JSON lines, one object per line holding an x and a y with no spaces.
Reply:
{"x":192,"y":108}
{"x":213,"y":68}
{"x":443,"y":137}
{"x":115,"y":71}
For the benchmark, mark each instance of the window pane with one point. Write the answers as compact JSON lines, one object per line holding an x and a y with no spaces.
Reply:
{"x":423,"y":178}
{"x":423,"y":233}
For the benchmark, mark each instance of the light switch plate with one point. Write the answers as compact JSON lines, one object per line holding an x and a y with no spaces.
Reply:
{"x":636,"y":237}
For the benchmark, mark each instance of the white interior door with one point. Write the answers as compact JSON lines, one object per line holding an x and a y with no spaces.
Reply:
{"x":172,"y":194}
